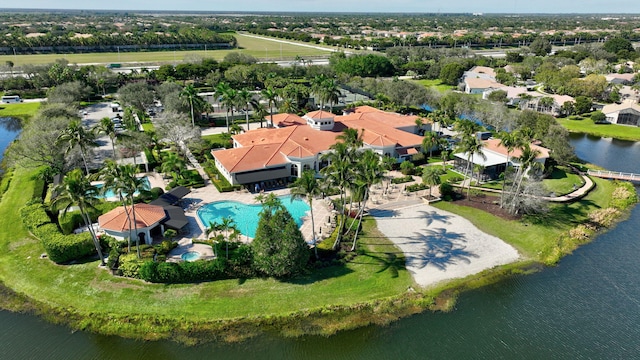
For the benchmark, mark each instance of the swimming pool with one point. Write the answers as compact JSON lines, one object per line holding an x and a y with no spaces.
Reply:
{"x":110,"y":194}
{"x":246,"y":215}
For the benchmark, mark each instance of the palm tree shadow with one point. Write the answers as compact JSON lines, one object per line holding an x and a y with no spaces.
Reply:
{"x":439,"y":248}
{"x":318,"y":275}
{"x":433,"y":216}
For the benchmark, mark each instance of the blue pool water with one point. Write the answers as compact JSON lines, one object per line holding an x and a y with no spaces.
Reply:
{"x":110,"y":194}
{"x":190,"y":256}
{"x":246,"y":215}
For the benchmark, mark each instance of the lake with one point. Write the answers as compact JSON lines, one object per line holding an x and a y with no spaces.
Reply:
{"x":586,"y":307}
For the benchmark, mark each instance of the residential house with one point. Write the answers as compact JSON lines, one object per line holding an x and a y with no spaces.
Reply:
{"x":264,"y":156}
{"x":627,"y":113}
{"x":620,"y":79}
{"x":494,"y":161}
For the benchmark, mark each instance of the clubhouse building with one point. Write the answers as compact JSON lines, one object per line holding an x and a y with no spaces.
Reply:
{"x":272,"y":156}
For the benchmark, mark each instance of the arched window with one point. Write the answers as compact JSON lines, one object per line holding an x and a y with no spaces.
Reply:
{"x":294,"y":170}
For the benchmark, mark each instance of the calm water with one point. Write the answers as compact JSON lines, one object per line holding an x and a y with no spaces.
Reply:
{"x":588,"y":307}
{"x":246,"y":215}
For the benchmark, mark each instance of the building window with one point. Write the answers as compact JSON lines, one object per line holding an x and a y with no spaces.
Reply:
{"x":294,"y":170}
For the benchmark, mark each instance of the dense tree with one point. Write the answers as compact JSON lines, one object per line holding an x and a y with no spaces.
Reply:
{"x":583,"y":105}
{"x":70,"y":93}
{"x":451,"y":73}
{"x":617,"y":44}
{"x":540,"y":46}
{"x":137,"y":95}
{"x":279,"y":248}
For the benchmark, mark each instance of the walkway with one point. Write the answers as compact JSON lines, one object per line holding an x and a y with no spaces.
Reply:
{"x":615,"y":175}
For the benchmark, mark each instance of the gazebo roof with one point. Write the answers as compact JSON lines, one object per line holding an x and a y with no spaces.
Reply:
{"x":117,"y":219}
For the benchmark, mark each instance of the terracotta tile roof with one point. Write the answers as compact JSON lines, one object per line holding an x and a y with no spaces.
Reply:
{"x":495,"y":146}
{"x":379,"y":132}
{"x":478,"y":83}
{"x":146,"y":215}
{"x":320,"y":114}
{"x":282,"y":120}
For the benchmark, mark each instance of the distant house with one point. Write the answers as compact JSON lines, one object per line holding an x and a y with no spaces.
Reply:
{"x":494,"y":161}
{"x":478,"y":85}
{"x":620,"y":79}
{"x":480,"y":72}
{"x":627,"y":113}
{"x":264,"y":156}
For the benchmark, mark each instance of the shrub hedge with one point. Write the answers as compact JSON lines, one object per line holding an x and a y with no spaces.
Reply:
{"x":184,"y":272}
{"x":60,"y":248}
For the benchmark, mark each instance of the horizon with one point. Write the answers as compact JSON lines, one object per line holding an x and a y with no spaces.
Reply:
{"x":492,"y":7}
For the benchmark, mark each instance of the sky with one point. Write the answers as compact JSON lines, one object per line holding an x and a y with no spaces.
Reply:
{"x":408,"y":6}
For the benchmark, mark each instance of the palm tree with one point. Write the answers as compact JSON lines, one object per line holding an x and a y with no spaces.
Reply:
{"x":131,"y":184}
{"x":472,"y":146}
{"x":339,"y":173}
{"x":76,"y":136}
{"x":370,"y":171}
{"x":330,"y":92}
{"x":271,"y":96}
{"x":107,"y":127}
{"x":172,"y":164}
{"x":226,"y":225}
{"x":245,"y":99}
{"x":307,"y":185}
{"x":429,"y":141}
{"x":76,"y":189}
{"x":510,"y":141}
{"x":431,"y":177}
{"x":352,"y":138}
{"x":317,"y":88}
{"x":259,"y":113}
{"x":189,"y":94}
{"x":112,"y":175}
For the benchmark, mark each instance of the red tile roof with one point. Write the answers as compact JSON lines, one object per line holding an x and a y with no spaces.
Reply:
{"x":116,"y":219}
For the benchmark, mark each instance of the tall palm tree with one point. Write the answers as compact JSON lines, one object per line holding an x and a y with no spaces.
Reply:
{"x":230,"y":100}
{"x":307,"y":186}
{"x":339,"y":173}
{"x":330,"y":92}
{"x":188,"y":95}
{"x":245,"y":100}
{"x":260,"y":113}
{"x":429,"y":141}
{"x":112,"y":175}
{"x":76,"y":189}
{"x":226,"y":225}
{"x":510,"y":141}
{"x":370,"y":171}
{"x":222,"y":94}
{"x":318,"y":88}
{"x":472,"y":146}
{"x":132,"y":184}
{"x":107,"y":127}
{"x":352,"y":138}
{"x":271,"y":96}
{"x":74,"y":136}
{"x":431,"y":177}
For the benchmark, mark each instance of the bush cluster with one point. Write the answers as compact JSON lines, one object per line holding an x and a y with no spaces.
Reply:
{"x":60,"y":248}
{"x":219,"y":181}
{"x":401,"y":180}
{"x":417,"y":187}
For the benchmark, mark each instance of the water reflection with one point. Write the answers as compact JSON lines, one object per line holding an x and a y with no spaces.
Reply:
{"x":10,"y":124}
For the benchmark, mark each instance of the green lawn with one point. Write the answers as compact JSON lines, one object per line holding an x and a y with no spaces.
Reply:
{"x":148,"y":127}
{"x":260,"y":48}
{"x":436,"y":83}
{"x":604,"y":130}
{"x":562,"y":182}
{"x":22,"y":110}
{"x":94,"y":293}
{"x":537,"y":237}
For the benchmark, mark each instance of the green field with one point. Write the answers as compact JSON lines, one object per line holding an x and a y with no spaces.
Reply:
{"x":436,"y":84}
{"x":22,"y":110}
{"x":587,"y":126}
{"x":262,"y":48}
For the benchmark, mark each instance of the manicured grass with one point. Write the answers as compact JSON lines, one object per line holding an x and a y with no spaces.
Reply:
{"x":450,"y":174}
{"x":147,"y":127}
{"x":537,"y":237}
{"x":21,"y":110}
{"x":92,"y":292}
{"x":587,"y":126}
{"x":259,"y":48}
{"x":435,"y":83}
{"x":562,"y":182}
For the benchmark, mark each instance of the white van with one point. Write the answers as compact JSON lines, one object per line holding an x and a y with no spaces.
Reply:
{"x":11,"y":99}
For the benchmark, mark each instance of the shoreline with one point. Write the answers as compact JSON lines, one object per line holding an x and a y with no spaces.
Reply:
{"x":325,"y":319}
